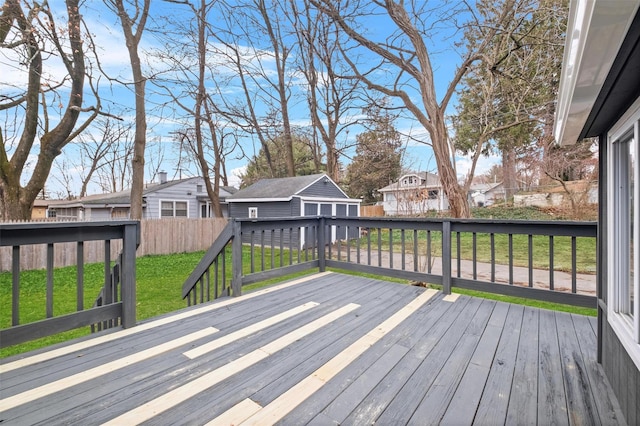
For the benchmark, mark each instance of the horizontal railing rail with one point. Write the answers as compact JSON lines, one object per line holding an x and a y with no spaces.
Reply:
{"x":120,"y":310}
{"x":530,"y":259}
{"x":549,"y":261}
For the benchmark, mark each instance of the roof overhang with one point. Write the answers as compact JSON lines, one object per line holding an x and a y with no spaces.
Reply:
{"x":258,"y":200}
{"x":596,"y":31}
{"x":329,"y":200}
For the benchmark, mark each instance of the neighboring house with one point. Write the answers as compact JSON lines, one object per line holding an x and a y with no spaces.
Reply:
{"x":310,"y":195}
{"x":177,"y":198}
{"x":486,"y":194}
{"x":600,"y":97}
{"x":414,"y":194}
{"x":39,"y":210}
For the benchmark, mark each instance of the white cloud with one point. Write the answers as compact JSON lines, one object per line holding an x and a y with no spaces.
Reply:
{"x":234,"y":176}
{"x":463,"y":165}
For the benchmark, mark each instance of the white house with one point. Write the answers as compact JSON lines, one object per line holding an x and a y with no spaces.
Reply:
{"x":486,"y":194}
{"x":175,"y":198}
{"x":414,"y":193}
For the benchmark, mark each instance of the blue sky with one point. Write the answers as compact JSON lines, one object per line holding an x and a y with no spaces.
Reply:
{"x":161,"y":123}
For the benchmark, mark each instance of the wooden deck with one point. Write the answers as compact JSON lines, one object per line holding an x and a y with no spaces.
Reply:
{"x":326,"y":349}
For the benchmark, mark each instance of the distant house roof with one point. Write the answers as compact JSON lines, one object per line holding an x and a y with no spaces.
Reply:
{"x":279,"y":189}
{"x":427,"y":180}
{"x":484,"y":187}
{"x":123,"y":198}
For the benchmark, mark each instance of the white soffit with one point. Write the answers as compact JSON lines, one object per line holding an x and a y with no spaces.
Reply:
{"x":595,"y":32}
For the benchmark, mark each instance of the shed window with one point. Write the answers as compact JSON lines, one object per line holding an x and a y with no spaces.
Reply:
{"x":174,"y":209}
{"x":253,"y":212}
{"x":624,"y":233}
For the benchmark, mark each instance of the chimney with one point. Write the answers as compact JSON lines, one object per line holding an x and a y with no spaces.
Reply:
{"x":162,"y":176}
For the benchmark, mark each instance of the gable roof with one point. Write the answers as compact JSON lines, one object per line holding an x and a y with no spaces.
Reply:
{"x":484,"y":187}
{"x":279,"y":189}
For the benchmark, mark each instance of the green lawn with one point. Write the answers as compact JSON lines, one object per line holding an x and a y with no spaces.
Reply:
{"x":585,"y":248}
{"x":158,"y":291}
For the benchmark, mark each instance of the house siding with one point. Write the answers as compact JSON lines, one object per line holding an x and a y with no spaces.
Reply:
{"x":99,"y":214}
{"x":178,"y":192}
{"x":323,"y":190}
{"x":265,"y":209}
{"x":622,"y":373}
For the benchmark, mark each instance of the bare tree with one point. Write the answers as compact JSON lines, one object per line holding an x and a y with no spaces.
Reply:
{"x":30,"y":38}
{"x":255,"y":50}
{"x":133,"y":24}
{"x":94,"y":148}
{"x":64,"y":178}
{"x":115,"y":174}
{"x":203,"y":133}
{"x":405,"y":54}
{"x":331,"y":97}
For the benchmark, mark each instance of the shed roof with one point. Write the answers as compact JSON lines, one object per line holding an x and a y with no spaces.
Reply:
{"x":278,"y":188}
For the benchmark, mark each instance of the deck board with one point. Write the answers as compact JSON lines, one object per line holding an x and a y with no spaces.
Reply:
{"x":495,"y":396}
{"x":450,"y":362}
{"x":523,"y":403}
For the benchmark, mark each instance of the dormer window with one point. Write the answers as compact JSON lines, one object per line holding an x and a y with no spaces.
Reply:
{"x":409,"y":181}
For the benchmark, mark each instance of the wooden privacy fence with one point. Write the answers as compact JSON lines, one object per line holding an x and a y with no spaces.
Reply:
{"x":158,"y":236}
{"x":372,"y":211}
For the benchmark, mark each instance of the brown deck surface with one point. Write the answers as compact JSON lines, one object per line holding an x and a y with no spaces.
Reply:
{"x":326,"y":349}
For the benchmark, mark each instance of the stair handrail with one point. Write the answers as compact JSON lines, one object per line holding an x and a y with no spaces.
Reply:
{"x":209,"y":257}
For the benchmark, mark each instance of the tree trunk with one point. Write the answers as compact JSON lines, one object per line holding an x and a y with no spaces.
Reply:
{"x":17,"y":201}
{"x":13,"y":205}
{"x":458,"y":203}
{"x":509,"y":173}
{"x":137,"y":163}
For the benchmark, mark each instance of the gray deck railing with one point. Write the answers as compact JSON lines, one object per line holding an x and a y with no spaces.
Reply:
{"x":117,"y":303}
{"x":550,"y":261}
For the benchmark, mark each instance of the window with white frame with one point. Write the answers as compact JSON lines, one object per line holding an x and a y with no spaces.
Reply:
{"x":624,"y":231}
{"x":253,"y":212}
{"x":174,"y":208}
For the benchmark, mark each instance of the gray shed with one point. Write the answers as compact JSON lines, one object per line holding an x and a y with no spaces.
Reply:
{"x":311,"y":195}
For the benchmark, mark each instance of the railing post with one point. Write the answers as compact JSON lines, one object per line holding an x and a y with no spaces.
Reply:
{"x":322,"y":223}
{"x":236,"y":259}
{"x":129,"y":244}
{"x":446,"y":257}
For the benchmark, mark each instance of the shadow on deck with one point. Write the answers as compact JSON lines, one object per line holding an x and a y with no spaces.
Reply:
{"x":325,"y":349}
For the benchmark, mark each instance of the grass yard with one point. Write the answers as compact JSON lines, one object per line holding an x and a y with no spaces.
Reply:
{"x":159,"y":280}
{"x":585,"y":248}
{"x":159,"y":288}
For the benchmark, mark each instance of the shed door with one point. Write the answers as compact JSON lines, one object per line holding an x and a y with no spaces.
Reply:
{"x":354,"y":231}
{"x":310,"y":209}
{"x":327,"y":210}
